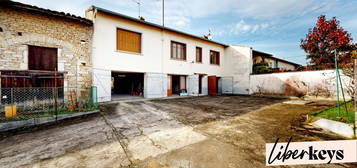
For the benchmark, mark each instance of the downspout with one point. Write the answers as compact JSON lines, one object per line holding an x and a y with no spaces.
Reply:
{"x":162,"y":49}
{"x":251,"y":68}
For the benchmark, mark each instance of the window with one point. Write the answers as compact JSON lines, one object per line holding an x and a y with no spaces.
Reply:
{"x":199,"y":54}
{"x":214,"y":57}
{"x":128,"y":41}
{"x":42,"y":58}
{"x":178,"y":50}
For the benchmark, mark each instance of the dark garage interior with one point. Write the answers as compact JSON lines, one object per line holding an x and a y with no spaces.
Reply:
{"x":175,"y":84}
{"x":127,"y":84}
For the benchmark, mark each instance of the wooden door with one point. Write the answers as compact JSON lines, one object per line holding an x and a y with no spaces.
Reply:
{"x":169,"y":85}
{"x":212,"y":85}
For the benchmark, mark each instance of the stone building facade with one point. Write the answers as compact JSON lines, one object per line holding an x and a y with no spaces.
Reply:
{"x":24,"y":25}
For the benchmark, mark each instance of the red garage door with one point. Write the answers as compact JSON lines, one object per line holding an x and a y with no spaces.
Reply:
{"x":212,"y":85}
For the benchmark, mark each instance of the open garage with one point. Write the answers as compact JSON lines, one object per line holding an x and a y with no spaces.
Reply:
{"x":127,"y":84}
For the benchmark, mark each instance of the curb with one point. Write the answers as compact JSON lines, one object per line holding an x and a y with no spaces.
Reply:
{"x":40,"y":121}
{"x":336,"y":127}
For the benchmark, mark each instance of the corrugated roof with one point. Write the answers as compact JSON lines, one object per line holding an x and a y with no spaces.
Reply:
{"x":152,"y":24}
{"x":35,"y":9}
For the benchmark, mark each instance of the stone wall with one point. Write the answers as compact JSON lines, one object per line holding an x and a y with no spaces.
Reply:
{"x":72,"y":39}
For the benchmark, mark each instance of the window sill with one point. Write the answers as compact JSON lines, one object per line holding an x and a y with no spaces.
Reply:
{"x":128,"y":52}
{"x":175,"y":59}
{"x":215,"y":64}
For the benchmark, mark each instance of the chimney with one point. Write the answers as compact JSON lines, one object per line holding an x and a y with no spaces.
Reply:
{"x":142,"y":18}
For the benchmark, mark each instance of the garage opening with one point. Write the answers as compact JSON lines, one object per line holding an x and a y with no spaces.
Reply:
{"x":127,"y":85}
{"x":177,"y":85}
{"x":200,"y":84}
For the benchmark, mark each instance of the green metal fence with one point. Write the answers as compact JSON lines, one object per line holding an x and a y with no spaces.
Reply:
{"x":28,"y":103}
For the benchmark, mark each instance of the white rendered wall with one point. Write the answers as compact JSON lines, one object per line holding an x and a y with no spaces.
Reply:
{"x":239,"y":66}
{"x":313,"y":83}
{"x":155,"y":57}
{"x":102,"y":80}
{"x":155,"y":85}
{"x":227,"y":85}
{"x":205,"y":85}
{"x":192,"y":85}
{"x":285,"y":66}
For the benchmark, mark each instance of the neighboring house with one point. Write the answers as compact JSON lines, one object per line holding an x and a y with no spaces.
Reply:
{"x":276,"y":63}
{"x":43,"y":48}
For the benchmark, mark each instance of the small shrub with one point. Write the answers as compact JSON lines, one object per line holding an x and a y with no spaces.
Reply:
{"x":262,"y":68}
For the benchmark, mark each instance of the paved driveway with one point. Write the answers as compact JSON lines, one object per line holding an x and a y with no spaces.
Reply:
{"x":203,"y":132}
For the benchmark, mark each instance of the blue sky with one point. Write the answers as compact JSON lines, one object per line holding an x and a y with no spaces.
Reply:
{"x":273,"y":26}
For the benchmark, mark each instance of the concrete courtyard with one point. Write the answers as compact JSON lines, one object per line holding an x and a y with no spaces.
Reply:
{"x":199,"y":132}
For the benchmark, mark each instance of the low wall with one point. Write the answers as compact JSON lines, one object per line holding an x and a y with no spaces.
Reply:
{"x":318,"y":84}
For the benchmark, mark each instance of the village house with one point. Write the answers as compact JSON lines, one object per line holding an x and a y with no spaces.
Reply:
{"x":43,"y":48}
{"x":273,"y":62}
{"x":133,"y":57}
{"x":136,"y":57}
{"x":119,"y":55}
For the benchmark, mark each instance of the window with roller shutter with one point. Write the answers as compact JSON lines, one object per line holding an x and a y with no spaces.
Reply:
{"x":128,"y":41}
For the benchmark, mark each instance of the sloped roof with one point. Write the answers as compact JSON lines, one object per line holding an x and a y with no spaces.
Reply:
{"x":38,"y":10}
{"x":152,"y":24}
{"x":267,"y":55}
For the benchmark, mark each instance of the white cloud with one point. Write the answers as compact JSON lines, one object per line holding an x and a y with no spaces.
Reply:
{"x":180,"y":13}
{"x":242,"y":27}
{"x":251,"y":8}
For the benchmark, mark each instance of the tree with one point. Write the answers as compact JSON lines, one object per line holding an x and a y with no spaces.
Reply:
{"x":322,"y":41}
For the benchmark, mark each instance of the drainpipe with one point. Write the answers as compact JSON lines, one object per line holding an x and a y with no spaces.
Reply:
{"x":355,"y":96}
{"x":162,"y":46}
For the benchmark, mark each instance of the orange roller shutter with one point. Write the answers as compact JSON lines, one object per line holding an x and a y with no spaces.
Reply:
{"x":128,"y":41}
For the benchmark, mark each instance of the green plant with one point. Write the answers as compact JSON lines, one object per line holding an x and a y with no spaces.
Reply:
{"x":343,"y":116}
{"x":262,"y":68}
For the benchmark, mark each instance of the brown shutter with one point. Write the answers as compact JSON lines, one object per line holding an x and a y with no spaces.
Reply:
{"x":42,"y":58}
{"x":184,"y":51}
{"x":128,"y":41}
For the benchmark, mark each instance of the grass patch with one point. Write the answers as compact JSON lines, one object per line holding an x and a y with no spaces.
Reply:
{"x":333,"y":114}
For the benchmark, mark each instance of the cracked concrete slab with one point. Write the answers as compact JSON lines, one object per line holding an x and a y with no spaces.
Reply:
{"x":203,"y":132}
{"x":103,"y":155}
{"x":163,"y":141}
{"x":150,"y":131}
{"x":30,"y":147}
